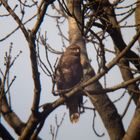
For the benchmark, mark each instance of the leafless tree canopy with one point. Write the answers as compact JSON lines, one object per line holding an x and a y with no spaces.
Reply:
{"x":90,"y":25}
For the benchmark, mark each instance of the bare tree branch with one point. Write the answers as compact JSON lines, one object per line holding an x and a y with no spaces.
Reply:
{"x":4,"y":134}
{"x":41,"y":13}
{"x":13,"y":14}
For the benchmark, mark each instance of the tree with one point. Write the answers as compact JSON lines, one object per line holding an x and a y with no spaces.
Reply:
{"x":91,"y":24}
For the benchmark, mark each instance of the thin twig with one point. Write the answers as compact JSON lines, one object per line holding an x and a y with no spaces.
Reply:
{"x":93,"y":125}
{"x":54,"y":131}
{"x":12,"y":32}
{"x":58,"y":125}
{"x":127,"y":106}
{"x":16,"y":18}
{"x":120,"y":97}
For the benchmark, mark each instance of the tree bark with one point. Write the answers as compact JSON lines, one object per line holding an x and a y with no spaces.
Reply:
{"x":133,"y":132}
{"x":127,"y":75}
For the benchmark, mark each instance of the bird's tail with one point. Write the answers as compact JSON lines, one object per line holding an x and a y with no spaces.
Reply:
{"x":73,"y":106}
{"x":74,"y":118}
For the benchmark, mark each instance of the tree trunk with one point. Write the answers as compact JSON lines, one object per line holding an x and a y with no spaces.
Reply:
{"x":102,"y":103}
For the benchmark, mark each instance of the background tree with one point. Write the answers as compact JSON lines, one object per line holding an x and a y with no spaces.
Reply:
{"x":91,"y":25}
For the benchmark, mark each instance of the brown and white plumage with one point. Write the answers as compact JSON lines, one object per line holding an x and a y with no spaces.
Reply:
{"x":69,"y":73}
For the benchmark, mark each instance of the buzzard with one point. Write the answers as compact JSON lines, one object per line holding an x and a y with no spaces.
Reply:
{"x":69,"y":72}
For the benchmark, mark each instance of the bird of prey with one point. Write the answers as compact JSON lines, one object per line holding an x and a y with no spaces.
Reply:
{"x":69,"y":72}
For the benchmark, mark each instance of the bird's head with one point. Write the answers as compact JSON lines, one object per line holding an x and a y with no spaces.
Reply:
{"x":74,"y":49}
